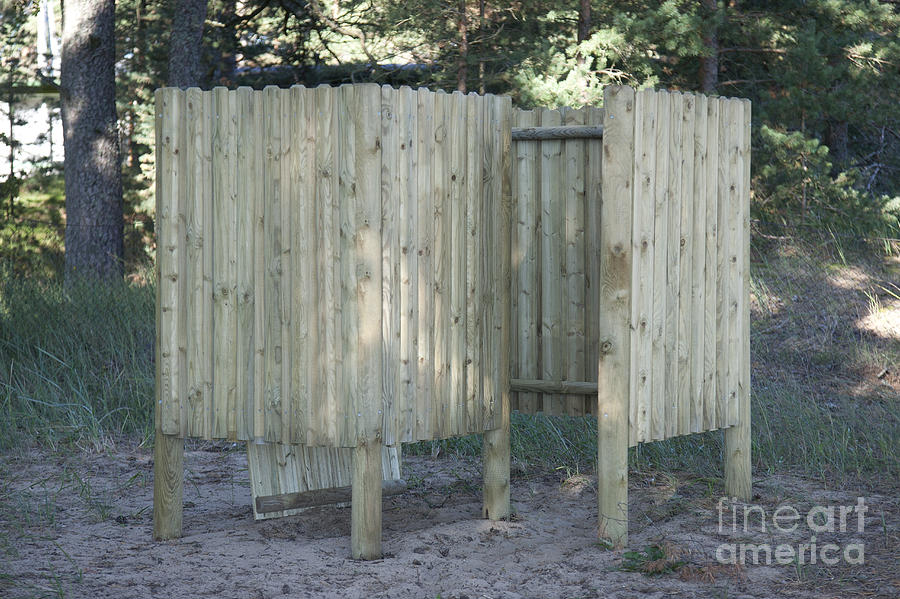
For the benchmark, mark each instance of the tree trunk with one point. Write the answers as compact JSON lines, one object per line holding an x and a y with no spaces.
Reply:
{"x":584,"y":25}
{"x":93,"y":178}
{"x":185,"y":45}
{"x":462,"y":63}
{"x":709,"y":63}
{"x":836,"y":140}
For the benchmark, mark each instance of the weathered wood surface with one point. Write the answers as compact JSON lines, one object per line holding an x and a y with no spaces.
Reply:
{"x":687,"y":300}
{"x":329,"y":263}
{"x":301,"y":501}
{"x":525,"y":133}
{"x":556,"y":176}
{"x":278,"y":470}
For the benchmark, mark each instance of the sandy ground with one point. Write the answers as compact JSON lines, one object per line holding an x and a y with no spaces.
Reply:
{"x":79,"y":525}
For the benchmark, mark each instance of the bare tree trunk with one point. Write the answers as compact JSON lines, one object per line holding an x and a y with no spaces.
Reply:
{"x":94,"y":243}
{"x":584,"y":25}
{"x":709,"y":64}
{"x":481,"y":47}
{"x":462,"y":63}
{"x":836,"y":138}
{"x":185,"y":54}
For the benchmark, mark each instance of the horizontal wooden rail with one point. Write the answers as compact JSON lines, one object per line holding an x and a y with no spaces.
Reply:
{"x":542,"y":133}
{"x":304,"y":499}
{"x":560,"y":387}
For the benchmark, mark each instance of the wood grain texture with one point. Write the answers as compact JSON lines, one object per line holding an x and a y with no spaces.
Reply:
{"x":168,"y":483}
{"x":278,"y":470}
{"x":569,"y":131}
{"x":365,"y":506}
{"x":525,"y":263}
{"x":553,"y":364}
{"x":224,"y":272}
{"x":616,"y":315}
{"x":711,"y":352}
{"x":738,"y":464}
{"x":643,"y":247}
{"x":574,"y":304}
{"x":337,"y":495}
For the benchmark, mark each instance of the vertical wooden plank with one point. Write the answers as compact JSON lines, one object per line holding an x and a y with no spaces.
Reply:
{"x":457,"y":231}
{"x":574,"y":261}
{"x":738,"y":465}
{"x":552,"y":263}
{"x":615,"y":314}
{"x":441,"y":250}
{"x":366,"y":105}
{"x":496,"y":439}
{"x":593,"y":204}
{"x":659,"y":286}
{"x":734,"y":258}
{"x":206,"y":185}
{"x":168,"y":449}
{"x":686,"y":283}
{"x":673,"y":266}
{"x":474,"y":275}
{"x":525,"y":262}
{"x":272,"y":253}
{"x":711,"y":331}
{"x":390,"y":256}
{"x":258,"y":197}
{"x":643,"y":240}
{"x":305,"y":258}
{"x":723,"y":279}
{"x":245,"y":414}
{"x":192,"y":160}
{"x":495,"y":250}
{"x":323,"y":407}
{"x":289,"y":187}
{"x":172,"y":375}
{"x":698,"y":268}
{"x":516,"y":256}
{"x":346,"y":115}
{"x":425,"y":266}
{"x":224,"y":278}
{"x":408,"y":224}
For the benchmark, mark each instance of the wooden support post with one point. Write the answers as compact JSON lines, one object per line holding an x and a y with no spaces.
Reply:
{"x":168,"y":480}
{"x":738,"y":467}
{"x":496,"y":466}
{"x":365,"y":507}
{"x":614,"y":324}
{"x":496,"y":441}
{"x":737,"y":455}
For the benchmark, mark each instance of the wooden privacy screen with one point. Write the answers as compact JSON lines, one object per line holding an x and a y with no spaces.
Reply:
{"x":675,"y":285}
{"x":333,"y":263}
{"x":556,"y":259}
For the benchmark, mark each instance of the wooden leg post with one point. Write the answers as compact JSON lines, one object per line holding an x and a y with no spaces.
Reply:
{"x":496,"y":467}
{"x":737,"y":455}
{"x":365,"y":510}
{"x":615,"y":318}
{"x":168,"y":482}
{"x":612,"y":474}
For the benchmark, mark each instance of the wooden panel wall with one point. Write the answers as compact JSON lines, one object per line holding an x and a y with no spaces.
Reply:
{"x":690,"y":244}
{"x":332,"y":263}
{"x":555,"y":261}
{"x":686,"y":191}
